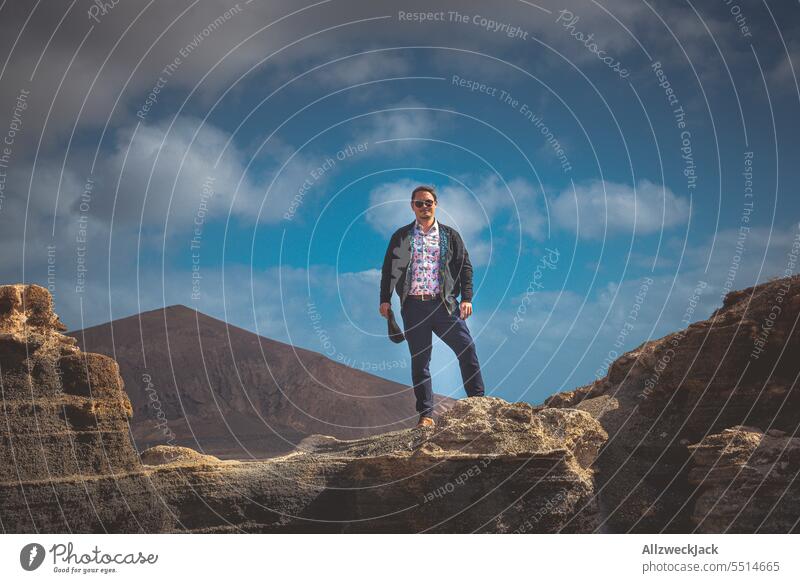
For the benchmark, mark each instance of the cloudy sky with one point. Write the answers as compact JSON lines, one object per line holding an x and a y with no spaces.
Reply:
{"x":614,"y":166}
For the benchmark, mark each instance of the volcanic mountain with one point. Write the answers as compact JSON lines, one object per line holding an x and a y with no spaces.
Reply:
{"x":200,"y":382}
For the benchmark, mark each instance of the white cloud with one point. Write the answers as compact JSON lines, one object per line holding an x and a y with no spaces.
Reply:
{"x":389,"y":205}
{"x":597,"y":207}
{"x":409,"y":121}
{"x":783,"y":74}
{"x":180,"y":163}
{"x":157,"y":173}
{"x":361,"y":69}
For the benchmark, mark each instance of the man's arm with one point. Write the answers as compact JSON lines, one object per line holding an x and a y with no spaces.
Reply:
{"x":465,"y":271}
{"x":386,"y":272}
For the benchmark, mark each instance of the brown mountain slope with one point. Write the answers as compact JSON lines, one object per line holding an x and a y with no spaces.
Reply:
{"x":197,"y":381}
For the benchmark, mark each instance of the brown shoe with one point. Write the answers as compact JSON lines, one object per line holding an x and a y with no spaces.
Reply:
{"x":426,"y":421}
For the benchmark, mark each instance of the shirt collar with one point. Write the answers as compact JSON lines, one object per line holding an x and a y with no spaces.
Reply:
{"x":434,"y":228}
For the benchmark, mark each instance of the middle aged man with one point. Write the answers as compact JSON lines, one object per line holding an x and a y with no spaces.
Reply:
{"x":428,"y":265}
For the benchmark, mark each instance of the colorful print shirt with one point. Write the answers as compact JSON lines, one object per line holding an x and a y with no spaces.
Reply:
{"x":425,"y":260}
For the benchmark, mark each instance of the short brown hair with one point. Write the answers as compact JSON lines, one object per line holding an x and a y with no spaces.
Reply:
{"x":424,"y":188}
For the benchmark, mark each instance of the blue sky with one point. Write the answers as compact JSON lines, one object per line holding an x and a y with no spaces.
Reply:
{"x":312,"y":124}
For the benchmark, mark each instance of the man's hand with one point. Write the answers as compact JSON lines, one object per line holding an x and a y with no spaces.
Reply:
{"x":466,"y":310}
{"x":384,"y":309}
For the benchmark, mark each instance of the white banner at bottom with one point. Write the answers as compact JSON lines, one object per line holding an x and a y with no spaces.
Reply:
{"x":371,"y":558}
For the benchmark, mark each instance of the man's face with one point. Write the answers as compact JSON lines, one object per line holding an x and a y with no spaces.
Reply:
{"x":426,"y":212}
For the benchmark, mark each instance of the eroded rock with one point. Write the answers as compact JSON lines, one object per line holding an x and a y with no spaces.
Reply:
{"x":160,"y":455}
{"x":703,"y":440}
{"x":739,"y":367}
{"x":68,"y":464}
{"x":746,"y":482}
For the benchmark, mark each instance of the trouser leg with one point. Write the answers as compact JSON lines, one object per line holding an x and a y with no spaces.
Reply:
{"x":417,"y":327}
{"x":454,"y":332}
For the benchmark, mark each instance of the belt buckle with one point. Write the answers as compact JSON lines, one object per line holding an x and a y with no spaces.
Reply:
{"x":425,"y":297}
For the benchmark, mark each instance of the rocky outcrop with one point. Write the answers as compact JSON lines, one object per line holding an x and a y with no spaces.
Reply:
{"x":68,"y":464}
{"x":65,"y":453}
{"x":739,"y":367}
{"x":694,"y":432}
{"x":490,"y":466}
{"x":748,"y":481}
{"x":160,"y":455}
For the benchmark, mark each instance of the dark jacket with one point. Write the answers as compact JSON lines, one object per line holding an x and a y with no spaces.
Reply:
{"x":453,"y":257}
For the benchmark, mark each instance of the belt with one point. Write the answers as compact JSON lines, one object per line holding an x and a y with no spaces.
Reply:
{"x":424,"y":297}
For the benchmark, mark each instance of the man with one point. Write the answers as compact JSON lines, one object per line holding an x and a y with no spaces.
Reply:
{"x":427,"y":264}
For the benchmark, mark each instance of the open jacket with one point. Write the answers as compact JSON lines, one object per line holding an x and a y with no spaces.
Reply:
{"x":455,"y":269}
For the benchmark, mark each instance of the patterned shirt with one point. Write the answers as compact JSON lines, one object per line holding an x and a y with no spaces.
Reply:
{"x":425,"y":260}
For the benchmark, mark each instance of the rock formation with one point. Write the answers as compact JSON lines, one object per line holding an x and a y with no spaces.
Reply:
{"x":694,"y":432}
{"x":66,"y":459}
{"x":68,"y":464}
{"x":529,"y":474}
{"x":749,"y":481}
{"x":739,"y":367}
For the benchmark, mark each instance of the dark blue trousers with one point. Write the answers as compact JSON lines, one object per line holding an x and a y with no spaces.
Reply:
{"x":420,"y":320}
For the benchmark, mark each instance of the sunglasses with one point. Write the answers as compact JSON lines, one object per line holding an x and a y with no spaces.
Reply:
{"x":420,"y":203}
